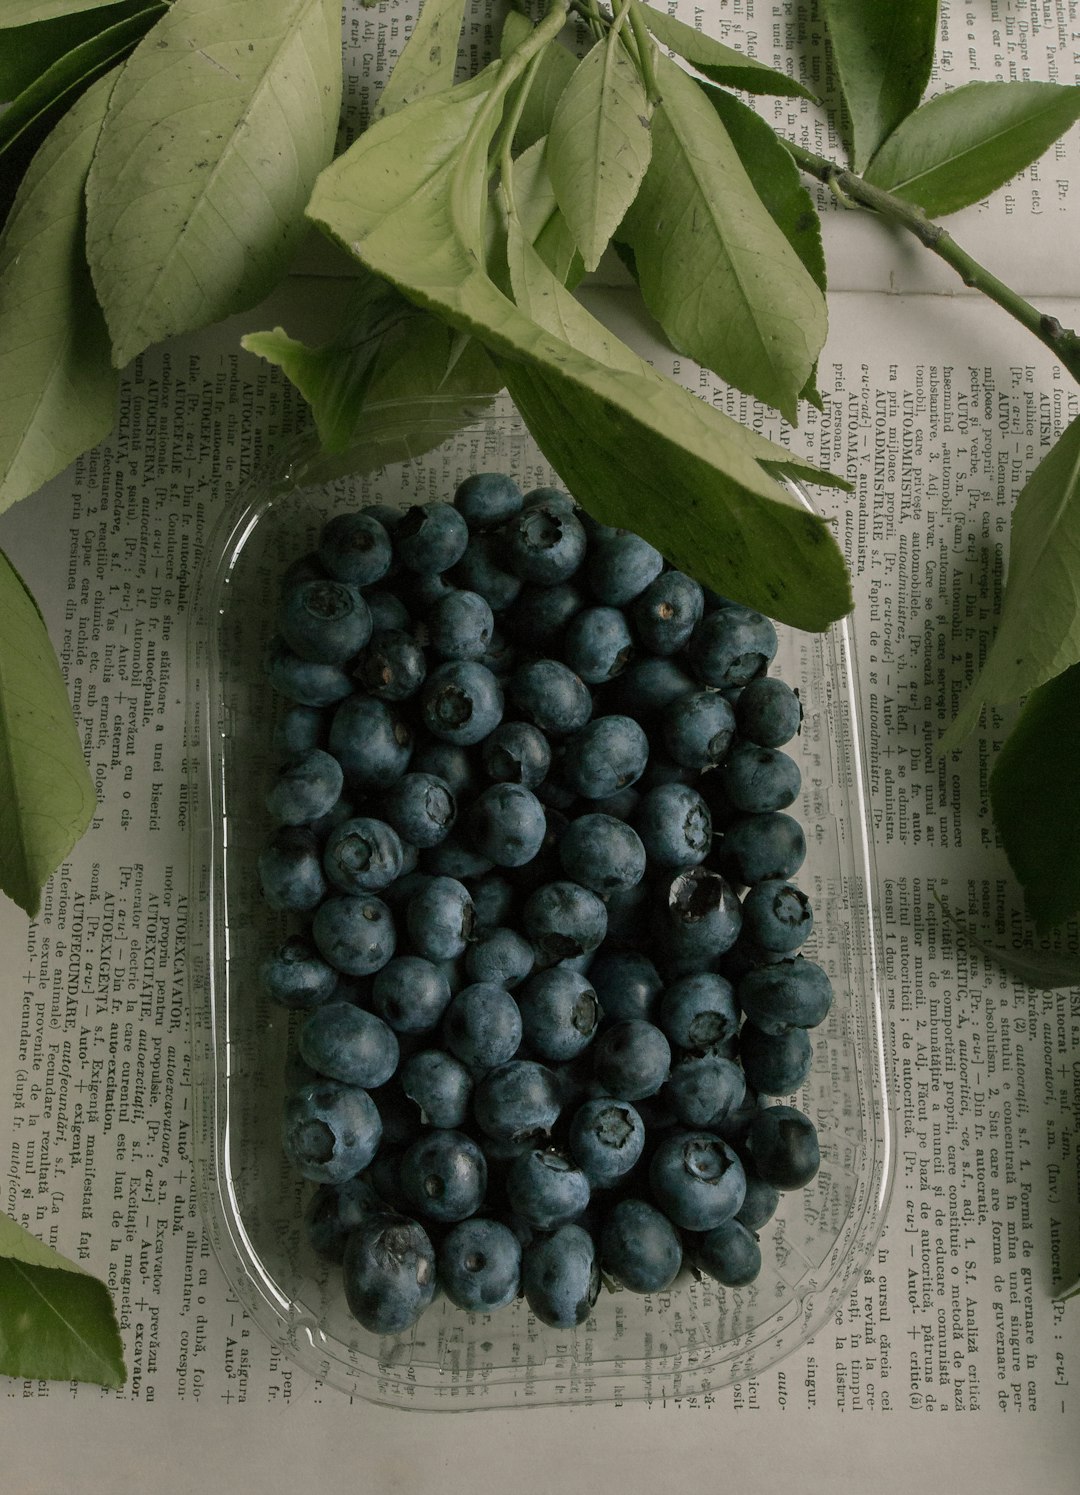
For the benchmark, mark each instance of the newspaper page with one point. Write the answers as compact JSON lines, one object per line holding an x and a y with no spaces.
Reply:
{"x":937,"y":409}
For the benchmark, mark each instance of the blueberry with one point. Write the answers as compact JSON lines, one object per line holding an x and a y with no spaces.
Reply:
{"x":545,"y":543}
{"x":775,"y":1063}
{"x":324,"y":620}
{"x":620,"y":565}
{"x":306,"y":567}
{"x":330,"y":1130}
{"x":697,"y":729}
{"x":667,"y":612}
{"x":758,"y":847}
{"x":388,"y":613}
{"x":662,"y":770}
{"x":551,"y":696}
{"x":461,"y":702}
{"x":362,"y":855}
{"x":648,"y":685}
{"x":356,"y":548}
{"x":563,"y":920}
{"x":730,"y":1253}
{"x":699,"y":1012}
{"x":480,"y":1265}
{"x":444,"y":1174}
{"x":371,"y":741}
{"x":703,"y":1089}
{"x":701,"y":920}
{"x":456,"y":856}
{"x":290,"y":870}
{"x":675,"y":826}
{"x":346,"y":1043}
{"x":561,"y":1277}
{"x":493,"y":899}
{"x":540,"y":616}
{"x":795,"y":993}
{"x":420,"y":591}
{"x":392,"y":667}
{"x":731,"y":646}
{"x":440,"y":1085}
{"x":483,"y":569}
{"x":461,"y":625}
{"x":697,"y":1179}
{"x":410,"y":994}
{"x":783,"y":1143}
{"x":621,"y":806}
{"x":598,"y":644}
{"x":546,"y":1188}
{"x":304,"y":681}
{"x":516,"y":753}
{"x":298,"y":729}
{"x":421,"y":808}
{"x":777,"y":915}
{"x":446,"y":761}
{"x":307,"y":787}
{"x":640,"y":1247}
{"x":607,"y":755}
{"x":768,"y":712}
{"x":556,"y":499}
{"x":758,"y":779}
{"x":355,"y":933}
{"x":500,"y":955}
{"x":606,"y":1139}
{"x":487,"y":499}
{"x":335,"y":1210}
{"x":518,"y":1102}
{"x":506,"y":824}
{"x":440,"y":919}
{"x":761,"y":1200}
{"x":431,"y":537}
{"x":388,"y":1272}
{"x":602,"y":853}
{"x":631,"y":1059}
{"x":296,"y":976}
{"x":626,"y":983}
{"x":559,"y":1013}
{"x":482,"y":1025}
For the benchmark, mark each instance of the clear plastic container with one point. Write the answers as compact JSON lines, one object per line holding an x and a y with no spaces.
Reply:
{"x":690,"y":1340}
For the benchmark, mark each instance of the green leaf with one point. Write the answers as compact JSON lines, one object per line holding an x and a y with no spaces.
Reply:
{"x":194,"y":212}
{"x":26,"y":12}
{"x":49,"y":94}
{"x":884,"y":53}
{"x":46,"y":796}
{"x":56,"y":1322}
{"x":714,"y":268}
{"x":1038,"y":635}
{"x":958,"y":148}
{"x":1036,"y":804}
{"x":57,"y":384}
{"x":599,"y":144}
{"x":541,"y":217}
{"x":408,"y":199}
{"x":713,"y":60}
{"x":385,"y":365}
{"x":552,"y":71}
{"x":427,"y":61}
{"x":27,"y":55}
{"x":776,"y":180}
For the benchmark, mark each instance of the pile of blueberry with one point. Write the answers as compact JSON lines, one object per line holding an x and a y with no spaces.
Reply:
{"x":543,"y":940}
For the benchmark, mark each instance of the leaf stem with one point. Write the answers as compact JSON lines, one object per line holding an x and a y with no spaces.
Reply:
{"x":853,"y":190}
{"x":645,"y":54}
